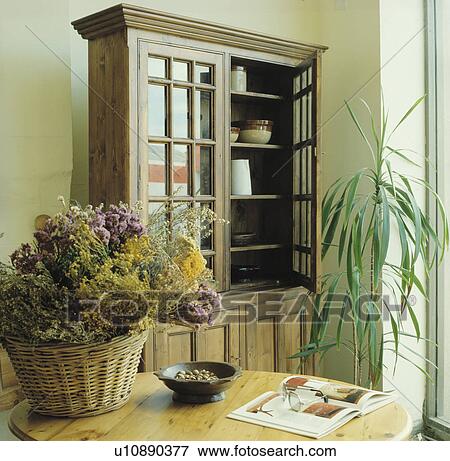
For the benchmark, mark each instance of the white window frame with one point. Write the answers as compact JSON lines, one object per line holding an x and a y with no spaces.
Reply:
{"x":435,"y":426}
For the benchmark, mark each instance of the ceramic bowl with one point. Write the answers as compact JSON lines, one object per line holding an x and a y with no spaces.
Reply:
{"x":199,"y":391}
{"x":234,"y":133}
{"x":255,"y":131}
{"x":242,"y":238}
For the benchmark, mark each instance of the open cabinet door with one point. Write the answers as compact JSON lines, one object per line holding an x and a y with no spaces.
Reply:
{"x":306,"y":200}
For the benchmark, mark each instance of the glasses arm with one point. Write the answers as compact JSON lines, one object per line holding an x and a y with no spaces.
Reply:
{"x":317,"y":392}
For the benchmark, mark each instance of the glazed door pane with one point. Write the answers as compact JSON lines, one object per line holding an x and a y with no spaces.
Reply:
{"x":306,"y":236}
{"x":157,"y":67}
{"x":202,"y":169}
{"x":157,"y":169}
{"x":180,"y":170}
{"x":157,"y":103}
{"x":181,"y":119}
{"x":181,"y":71}
{"x":203,"y":73}
{"x":180,"y":112}
{"x":203,"y":105}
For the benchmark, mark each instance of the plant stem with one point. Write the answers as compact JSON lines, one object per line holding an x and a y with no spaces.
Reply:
{"x":360,"y":360}
{"x":356,"y":358}
{"x":373,"y":292}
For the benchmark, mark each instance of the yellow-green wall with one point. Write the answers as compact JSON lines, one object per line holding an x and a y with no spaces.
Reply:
{"x":35,"y":115}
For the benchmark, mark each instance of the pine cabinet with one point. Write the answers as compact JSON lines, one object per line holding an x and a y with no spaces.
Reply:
{"x":161,"y":106}
{"x":171,"y":344}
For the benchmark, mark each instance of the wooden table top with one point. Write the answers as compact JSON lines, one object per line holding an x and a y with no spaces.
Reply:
{"x":151,"y":414}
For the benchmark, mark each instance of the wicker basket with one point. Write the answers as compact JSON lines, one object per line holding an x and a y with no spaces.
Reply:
{"x":77,"y":380}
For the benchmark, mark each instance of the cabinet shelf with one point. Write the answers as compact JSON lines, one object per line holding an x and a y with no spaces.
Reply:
{"x":258,"y":247}
{"x":245,"y":95}
{"x":261,"y":283}
{"x":246,"y":145}
{"x":259,"y":197}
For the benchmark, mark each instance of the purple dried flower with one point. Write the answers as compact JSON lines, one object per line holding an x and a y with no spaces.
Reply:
{"x":99,"y":219}
{"x":116,"y":225}
{"x":54,"y":243}
{"x":122,"y":223}
{"x":103,"y":234}
{"x":25,"y":259}
{"x":199,"y":308}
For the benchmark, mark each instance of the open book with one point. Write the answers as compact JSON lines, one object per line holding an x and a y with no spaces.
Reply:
{"x":325,"y":406}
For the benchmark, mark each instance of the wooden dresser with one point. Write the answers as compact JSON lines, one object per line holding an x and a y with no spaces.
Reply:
{"x":161,"y":104}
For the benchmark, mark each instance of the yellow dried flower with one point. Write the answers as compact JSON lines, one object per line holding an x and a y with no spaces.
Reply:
{"x":190,"y":260}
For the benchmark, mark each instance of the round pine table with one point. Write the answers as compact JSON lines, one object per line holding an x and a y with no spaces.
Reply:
{"x":150,"y":414}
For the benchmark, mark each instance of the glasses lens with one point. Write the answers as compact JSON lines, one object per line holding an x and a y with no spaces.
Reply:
{"x":284,"y":391}
{"x":312,"y":402}
{"x":294,"y":401}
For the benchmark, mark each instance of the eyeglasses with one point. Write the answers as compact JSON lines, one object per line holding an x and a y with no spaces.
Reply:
{"x":296,"y":403}
{"x":259,"y":407}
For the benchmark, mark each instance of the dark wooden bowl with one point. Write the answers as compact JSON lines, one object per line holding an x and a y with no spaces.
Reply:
{"x":199,"y":391}
{"x":245,"y":272}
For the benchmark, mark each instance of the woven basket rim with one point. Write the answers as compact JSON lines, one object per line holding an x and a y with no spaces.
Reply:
{"x":61,"y":379}
{"x":73,"y":346}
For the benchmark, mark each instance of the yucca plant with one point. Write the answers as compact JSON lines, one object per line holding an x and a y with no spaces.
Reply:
{"x":362,"y":215}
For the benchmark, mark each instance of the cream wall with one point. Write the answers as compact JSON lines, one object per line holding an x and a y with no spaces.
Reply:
{"x":403,"y":81}
{"x":350,"y":71}
{"x":369,"y":51}
{"x":35,"y":116}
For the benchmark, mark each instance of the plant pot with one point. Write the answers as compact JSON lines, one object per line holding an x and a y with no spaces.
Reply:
{"x":77,"y":380}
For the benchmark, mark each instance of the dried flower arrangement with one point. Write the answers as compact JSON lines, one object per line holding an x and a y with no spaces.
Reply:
{"x":93,"y":274}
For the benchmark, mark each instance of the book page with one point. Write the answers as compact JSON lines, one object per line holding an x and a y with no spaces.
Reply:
{"x":271,"y":410}
{"x":345,"y":395}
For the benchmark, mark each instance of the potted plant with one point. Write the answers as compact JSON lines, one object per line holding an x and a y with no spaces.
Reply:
{"x":362,"y":215}
{"x":77,"y":303}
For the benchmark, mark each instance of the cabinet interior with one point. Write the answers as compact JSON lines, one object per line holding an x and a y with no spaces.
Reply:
{"x":174,"y":94}
{"x":268,"y":211}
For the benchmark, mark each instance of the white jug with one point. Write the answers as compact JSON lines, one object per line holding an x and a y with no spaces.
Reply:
{"x":241,"y":182}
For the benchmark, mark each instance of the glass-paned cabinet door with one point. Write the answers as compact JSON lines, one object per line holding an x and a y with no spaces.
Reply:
{"x":306,"y":235}
{"x":181,"y":129}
